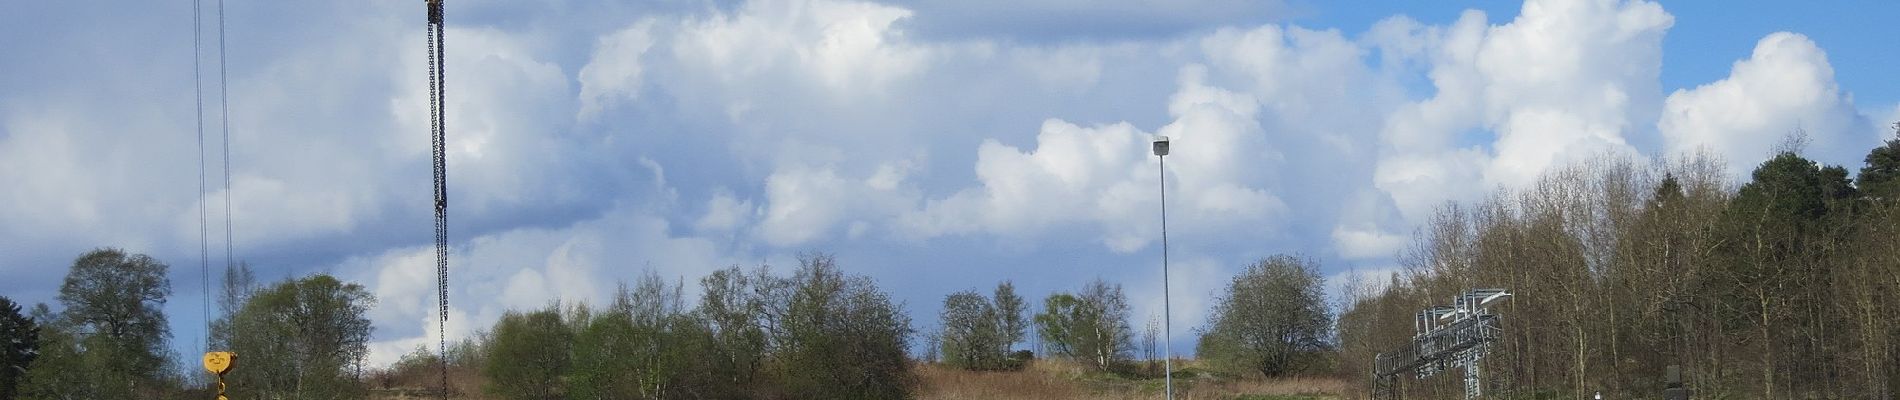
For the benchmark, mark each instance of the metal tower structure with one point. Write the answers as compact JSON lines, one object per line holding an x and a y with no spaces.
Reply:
{"x":1444,"y":337}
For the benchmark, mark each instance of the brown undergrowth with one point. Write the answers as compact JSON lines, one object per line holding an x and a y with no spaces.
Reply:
{"x":1058,"y":380}
{"x":1043,"y":379}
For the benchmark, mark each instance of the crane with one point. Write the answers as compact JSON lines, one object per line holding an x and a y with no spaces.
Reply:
{"x":436,"y":130}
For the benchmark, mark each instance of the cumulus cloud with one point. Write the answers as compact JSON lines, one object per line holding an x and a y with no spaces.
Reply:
{"x":614,"y":71}
{"x":1058,"y":182}
{"x":850,"y":47}
{"x":1785,"y":85}
{"x":724,"y":213}
{"x":805,"y":203}
{"x":1566,"y":79}
{"x":1104,"y":176}
{"x":1054,"y":20}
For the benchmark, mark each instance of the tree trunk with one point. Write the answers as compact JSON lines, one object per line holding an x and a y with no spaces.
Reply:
{"x":1767,"y":349}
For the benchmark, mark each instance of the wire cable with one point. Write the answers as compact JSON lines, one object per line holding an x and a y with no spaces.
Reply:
{"x":204,"y":230}
{"x":224,"y":123}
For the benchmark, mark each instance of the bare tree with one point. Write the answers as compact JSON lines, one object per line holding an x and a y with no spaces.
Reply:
{"x":1150,"y":336}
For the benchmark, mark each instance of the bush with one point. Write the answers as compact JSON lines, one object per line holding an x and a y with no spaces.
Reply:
{"x":528,"y":354}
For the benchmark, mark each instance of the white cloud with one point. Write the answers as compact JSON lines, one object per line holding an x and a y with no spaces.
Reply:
{"x":1104,"y":176}
{"x":724,"y":213}
{"x":1565,"y":80}
{"x":1029,"y":20}
{"x":274,"y":212}
{"x":1313,"y":80}
{"x":850,"y":47}
{"x":40,"y":157}
{"x":1060,"y":181}
{"x":806,"y":203}
{"x":614,"y":71}
{"x":1785,"y":85}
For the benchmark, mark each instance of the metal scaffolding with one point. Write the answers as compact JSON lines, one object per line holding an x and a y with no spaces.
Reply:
{"x":1444,"y":337}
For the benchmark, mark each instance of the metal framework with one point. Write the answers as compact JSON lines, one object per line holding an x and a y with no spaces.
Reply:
{"x":1444,"y":337}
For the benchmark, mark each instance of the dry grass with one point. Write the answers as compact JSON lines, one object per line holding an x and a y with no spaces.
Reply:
{"x":938,"y":382}
{"x":1285,"y":387}
{"x":1057,"y":380}
{"x":1043,"y":380}
{"x":423,"y":384}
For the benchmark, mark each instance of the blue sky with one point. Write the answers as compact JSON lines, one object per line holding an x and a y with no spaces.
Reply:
{"x":935,"y":146}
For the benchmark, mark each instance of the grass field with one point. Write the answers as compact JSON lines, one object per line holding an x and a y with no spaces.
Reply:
{"x":1044,"y":379}
{"x":1055,"y":380}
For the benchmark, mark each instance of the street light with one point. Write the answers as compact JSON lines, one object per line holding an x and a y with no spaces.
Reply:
{"x":1167,"y":320}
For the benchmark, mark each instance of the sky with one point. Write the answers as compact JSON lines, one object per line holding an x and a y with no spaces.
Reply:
{"x":932,"y":145}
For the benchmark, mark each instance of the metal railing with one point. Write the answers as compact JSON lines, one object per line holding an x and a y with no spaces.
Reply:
{"x":1444,"y":337}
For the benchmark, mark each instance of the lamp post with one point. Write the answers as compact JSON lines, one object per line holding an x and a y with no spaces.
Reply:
{"x":1167,"y":320}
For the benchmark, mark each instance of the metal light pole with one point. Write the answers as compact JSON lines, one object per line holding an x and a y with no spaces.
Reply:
{"x":1167,"y":320}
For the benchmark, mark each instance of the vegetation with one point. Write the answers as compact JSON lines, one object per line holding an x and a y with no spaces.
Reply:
{"x":1273,"y":319}
{"x":19,"y":345}
{"x":839,"y":336}
{"x":1091,"y":327}
{"x":1780,"y":288}
{"x":979,"y":332}
{"x":302,"y":338}
{"x":816,"y":334}
{"x":305,"y":338}
{"x":623,"y":350}
{"x":110,"y":342}
{"x":536,"y":345}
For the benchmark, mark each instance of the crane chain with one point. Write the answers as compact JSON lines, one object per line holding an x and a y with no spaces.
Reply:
{"x":437,"y":101}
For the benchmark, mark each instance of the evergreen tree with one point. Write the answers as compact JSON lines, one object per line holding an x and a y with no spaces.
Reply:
{"x":1880,"y":178}
{"x":19,"y":345}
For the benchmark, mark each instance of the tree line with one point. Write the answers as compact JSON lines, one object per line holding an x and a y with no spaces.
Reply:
{"x":301,"y":338}
{"x":822,"y":333}
{"x":1271,"y":320}
{"x":817,"y":332}
{"x":1781,"y":287}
